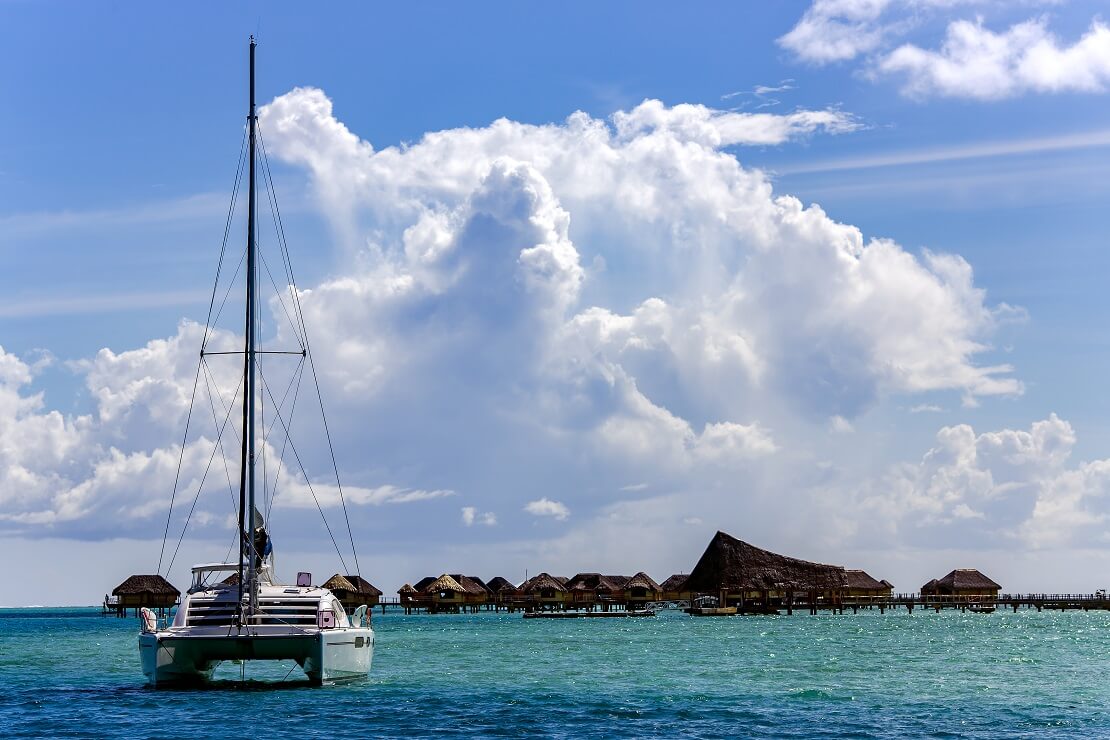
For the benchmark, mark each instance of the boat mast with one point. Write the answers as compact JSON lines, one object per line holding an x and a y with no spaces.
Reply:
{"x":246,"y":478}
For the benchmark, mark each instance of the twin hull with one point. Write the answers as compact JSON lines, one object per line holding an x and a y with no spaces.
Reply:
{"x":326,"y":656}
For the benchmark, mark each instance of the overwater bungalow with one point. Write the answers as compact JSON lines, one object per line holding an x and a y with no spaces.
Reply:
{"x":424,"y":582}
{"x":966,"y":582}
{"x":503,"y":591}
{"x":406,"y":594}
{"x":860,"y":583}
{"x":476,"y":592}
{"x":481,"y":583}
{"x":641,"y":589}
{"x":592,"y":590}
{"x":546,"y":592}
{"x":739,"y":574}
{"x":672,"y":588}
{"x":444,"y":594}
{"x":153,"y":592}
{"x":497,"y":584}
{"x":353,"y":591}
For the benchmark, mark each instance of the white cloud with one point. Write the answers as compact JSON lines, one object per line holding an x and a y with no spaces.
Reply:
{"x":298,"y":494}
{"x":547,"y":507}
{"x":925,"y":407}
{"x":574,"y":306}
{"x":111,"y":473}
{"x":972,"y":61}
{"x":1004,"y":485}
{"x":836,"y":30}
{"x":1097,"y":139}
{"x":713,"y":128}
{"x":471,"y":516}
{"x":975,"y":62}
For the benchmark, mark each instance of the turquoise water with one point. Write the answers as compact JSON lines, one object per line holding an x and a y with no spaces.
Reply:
{"x":73,"y":673}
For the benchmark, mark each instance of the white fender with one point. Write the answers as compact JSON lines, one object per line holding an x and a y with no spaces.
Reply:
{"x":359,"y":619}
{"x":149,"y":620}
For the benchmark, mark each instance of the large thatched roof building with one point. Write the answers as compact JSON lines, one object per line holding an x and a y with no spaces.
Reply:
{"x":731,"y":566}
{"x":146,"y":590}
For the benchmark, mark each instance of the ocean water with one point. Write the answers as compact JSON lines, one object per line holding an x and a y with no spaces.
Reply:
{"x":73,"y":673}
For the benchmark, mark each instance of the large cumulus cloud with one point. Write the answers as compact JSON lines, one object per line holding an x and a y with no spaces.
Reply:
{"x":614,"y":315}
{"x":996,"y":487}
{"x":652,"y":251}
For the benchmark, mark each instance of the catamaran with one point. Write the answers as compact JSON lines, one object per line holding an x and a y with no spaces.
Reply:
{"x":239,"y":611}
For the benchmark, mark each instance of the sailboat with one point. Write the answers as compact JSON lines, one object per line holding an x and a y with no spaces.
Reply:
{"x":238,"y":611}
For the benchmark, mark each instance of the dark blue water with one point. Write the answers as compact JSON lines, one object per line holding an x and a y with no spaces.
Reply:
{"x":73,"y":673}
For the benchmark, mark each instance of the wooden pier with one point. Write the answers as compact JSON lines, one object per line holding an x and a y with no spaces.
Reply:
{"x":814,"y":604}
{"x":589,"y":615}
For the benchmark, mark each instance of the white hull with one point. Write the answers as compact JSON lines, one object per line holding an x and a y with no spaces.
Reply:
{"x":326,"y":656}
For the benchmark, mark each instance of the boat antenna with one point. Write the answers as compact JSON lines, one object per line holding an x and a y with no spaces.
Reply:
{"x":246,"y":475}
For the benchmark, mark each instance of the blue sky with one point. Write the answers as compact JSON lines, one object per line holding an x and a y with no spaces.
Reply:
{"x":117,"y":153}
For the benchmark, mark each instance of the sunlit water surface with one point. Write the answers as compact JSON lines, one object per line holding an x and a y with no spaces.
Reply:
{"x":73,"y":673}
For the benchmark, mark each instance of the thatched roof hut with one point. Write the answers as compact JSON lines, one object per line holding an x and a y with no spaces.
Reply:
{"x":146,"y":590}
{"x":475,"y":589}
{"x":860,"y":583}
{"x":442,"y":585}
{"x":930,"y":588}
{"x":641,"y":580}
{"x":364,"y":586}
{"x":542,"y":582}
{"x":674,"y":583}
{"x":498,"y":584}
{"x":674,"y":587}
{"x":338,"y":582}
{"x":483,"y":584}
{"x":729,"y":564}
{"x":640,"y":588}
{"x":470,"y":584}
{"x":966,"y":581}
{"x":424,"y":582}
{"x":545,"y":590}
{"x":595,"y":583}
{"x":887,"y":584}
{"x":353,"y":591}
{"x":407,"y":593}
{"x":590,"y":588}
{"x":503,"y":590}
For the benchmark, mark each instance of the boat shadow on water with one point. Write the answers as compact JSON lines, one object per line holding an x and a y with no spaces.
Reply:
{"x":228,"y":679}
{"x":246,"y":684}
